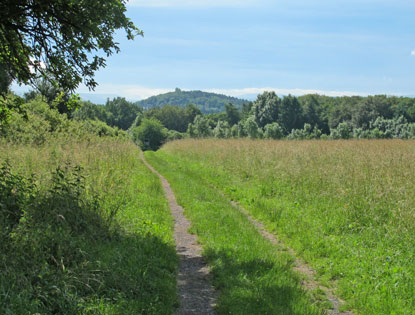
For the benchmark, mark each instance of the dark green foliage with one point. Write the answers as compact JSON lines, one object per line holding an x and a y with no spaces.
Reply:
{"x":5,"y":79}
{"x":63,"y":250}
{"x":62,"y":39}
{"x":201,"y":127}
{"x":150,"y":135}
{"x":206,"y":102}
{"x":175,"y":135}
{"x":313,"y":112}
{"x":222,"y":130}
{"x":273,"y":131}
{"x":251,"y":128}
{"x":246,"y":110}
{"x":58,"y":98}
{"x":233,"y":116}
{"x":9,"y":104}
{"x":312,"y":117}
{"x":370,"y":108}
{"x":42,"y":236}
{"x":174,"y":117}
{"x":44,"y":124}
{"x":405,"y":107}
{"x":121,"y":113}
{"x":308,"y":132}
{"x":266,"y":108}
{"x":16,"y":192}
{"x":90,"y":111}
{"x":290,"y":116}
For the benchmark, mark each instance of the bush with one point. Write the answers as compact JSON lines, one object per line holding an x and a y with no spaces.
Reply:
{"x":43,"y":233}
{"x":222,"y":130}
{"x":44,"y":124}
{"x":175,"y":135}
{"x":251,"y":128}
{"x":273,"y":131}
{"x":150,"y":135}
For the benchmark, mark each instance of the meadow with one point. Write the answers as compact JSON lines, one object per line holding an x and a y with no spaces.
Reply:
{"x":345,"y":207}
{"x":85,"y":229}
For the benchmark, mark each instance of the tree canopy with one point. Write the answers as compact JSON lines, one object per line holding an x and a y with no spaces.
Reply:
{"x":61,"y":39}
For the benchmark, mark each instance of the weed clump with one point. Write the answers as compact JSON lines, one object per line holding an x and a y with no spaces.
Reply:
{"x":44,"y":235}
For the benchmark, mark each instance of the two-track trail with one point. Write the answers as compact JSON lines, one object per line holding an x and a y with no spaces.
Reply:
{"x":299,"y":265}
{"x":196,"y":294}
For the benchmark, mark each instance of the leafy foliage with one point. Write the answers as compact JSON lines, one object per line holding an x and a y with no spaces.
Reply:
{"x":121,"y":113}
{"x":81,"y":240}
{"x":206,"y":102}
{"x":150,"y":135}
{"x":174,"y":117}
{"x":41,"y":124}
{"x":59,"y":39}
{"x":266,"y":108}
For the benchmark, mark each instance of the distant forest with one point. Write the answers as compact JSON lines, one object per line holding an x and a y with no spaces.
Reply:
{"x":268,"y":117}
{"x":208,"y":103}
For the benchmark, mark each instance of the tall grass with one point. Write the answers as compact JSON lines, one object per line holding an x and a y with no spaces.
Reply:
{"x":91,"y":234}
{"x":347,"y":207}
{"x":251,"y":275}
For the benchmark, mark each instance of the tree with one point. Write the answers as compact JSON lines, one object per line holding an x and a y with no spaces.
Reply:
{"x":121,"y":113}
{"x":232,"y":114}
{"x":246,"y":110}
{"x":150,"y":135}
{"x":311,"y":110}
{"x":174,"y":117}
{"x":290,"y":114}
{"x":273,"y":131}
{"x":62,"y":39}
{"x":91,"y":111}
{"x":266,"y":108}
{"x":5,"y":79}
{"x":251,"y":128}
{"x":222,"y":130}
{"x":191,"y":112}
{"x":201,"y":127}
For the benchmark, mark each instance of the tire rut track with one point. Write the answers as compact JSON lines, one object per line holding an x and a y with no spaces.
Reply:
{"x":300,"y":266}
{"x":196,"y":294}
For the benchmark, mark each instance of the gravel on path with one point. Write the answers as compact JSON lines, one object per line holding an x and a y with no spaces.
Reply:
{"x":196,"y":294}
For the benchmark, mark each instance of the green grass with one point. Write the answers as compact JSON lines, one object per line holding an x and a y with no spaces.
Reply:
{"x":252,"y":276}
{"x":91,"y":232}
{"x":346,"y":207}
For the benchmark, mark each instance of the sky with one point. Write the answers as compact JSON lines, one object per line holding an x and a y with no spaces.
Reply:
{"x":244,"y":47}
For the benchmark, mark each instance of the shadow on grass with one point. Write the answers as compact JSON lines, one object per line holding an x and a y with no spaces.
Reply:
{"x":256,"y":286}
{"x":60,"y":253}
{"x":126,"y":274}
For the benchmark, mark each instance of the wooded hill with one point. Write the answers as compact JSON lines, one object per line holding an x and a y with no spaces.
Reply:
{"x":208,"y":103}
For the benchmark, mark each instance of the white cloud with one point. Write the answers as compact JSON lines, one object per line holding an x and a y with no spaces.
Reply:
{"x":413,"y":52}
{"x":190,"y":3}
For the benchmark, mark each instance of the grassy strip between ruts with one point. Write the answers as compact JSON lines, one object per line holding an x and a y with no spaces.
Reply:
{"x":90,"y":232}
{"x":346,"y":207}
{"x":251,"y":275}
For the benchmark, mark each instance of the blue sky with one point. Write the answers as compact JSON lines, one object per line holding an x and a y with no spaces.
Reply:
{"x":244,"y":47}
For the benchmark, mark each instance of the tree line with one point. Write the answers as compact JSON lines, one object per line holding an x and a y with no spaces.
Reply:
{"x":269,"y":116}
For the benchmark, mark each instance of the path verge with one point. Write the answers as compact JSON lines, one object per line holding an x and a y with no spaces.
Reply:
{"x":196,"y":294}
{"x":299,"y":266}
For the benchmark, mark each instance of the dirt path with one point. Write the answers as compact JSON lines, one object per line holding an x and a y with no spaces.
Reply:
{"x":301,"y":267}
{"x":196,"y":294}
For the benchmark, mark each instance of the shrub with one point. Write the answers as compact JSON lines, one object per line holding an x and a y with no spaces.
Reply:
{"x":150,"y":135}
{"x":273,"y":131}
